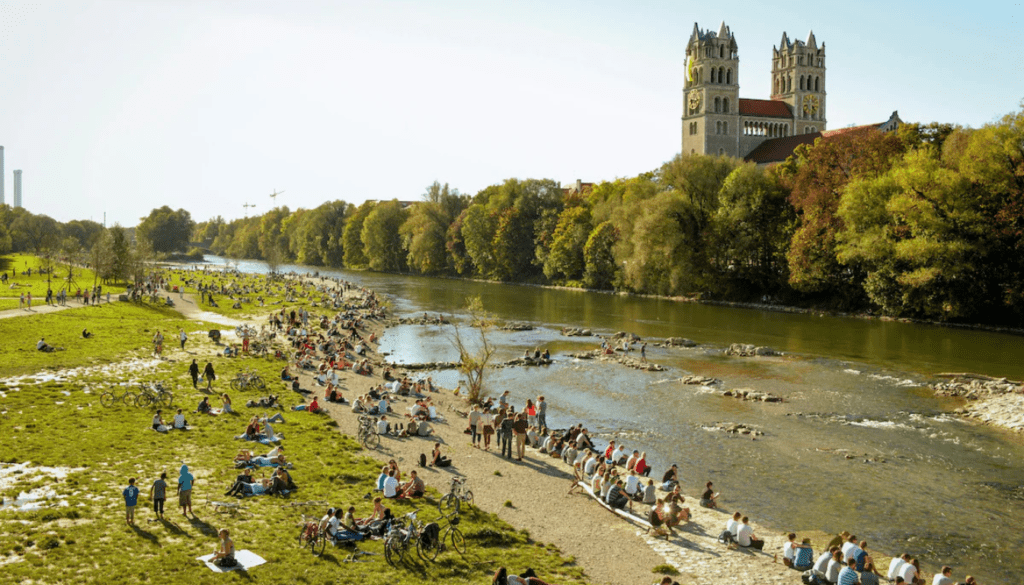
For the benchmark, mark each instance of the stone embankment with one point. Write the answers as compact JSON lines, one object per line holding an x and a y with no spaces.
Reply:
{"x":625,"y":360}
{"x":516,"y":327}
{"x":745,"y":350}
{"x":699,"y":380}
{"x":439,"y":320}
{"x":576,"y":332}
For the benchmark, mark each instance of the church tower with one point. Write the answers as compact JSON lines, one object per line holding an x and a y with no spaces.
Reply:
{"x":711,"y":93}
{"x":798,"y":78}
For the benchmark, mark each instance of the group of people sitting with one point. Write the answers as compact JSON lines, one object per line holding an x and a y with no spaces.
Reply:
{"x":178,"y":422}
{"x":245,"y":484}
{"x":390,"y":484}
{"x":341,"y":525}
{"x":848,"y":562}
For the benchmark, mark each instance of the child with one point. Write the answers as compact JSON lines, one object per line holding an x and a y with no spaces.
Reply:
{"x":158,"y":492}
{"x":131,"y":497}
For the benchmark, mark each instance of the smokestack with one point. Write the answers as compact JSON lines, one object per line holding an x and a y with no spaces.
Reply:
{"x":17,"y":188}
{"x":2,"y":175}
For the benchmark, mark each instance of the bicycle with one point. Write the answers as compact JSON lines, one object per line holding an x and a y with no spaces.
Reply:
{"x":455,"y":496}
{"x":110,"y":397}
{"x":367,"y":433}
{"x":312,"y":536}
{"x":430,"y":550}
{"x":154,"y":393}
{"x":400,"y":539}
{"x":244,"y":380}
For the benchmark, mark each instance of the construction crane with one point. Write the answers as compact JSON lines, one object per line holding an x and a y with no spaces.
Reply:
{"x":275,"y":194}
{"x":247,"y":206}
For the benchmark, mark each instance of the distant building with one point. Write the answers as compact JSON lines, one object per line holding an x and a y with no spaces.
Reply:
{"x":777,"y":150}
{"x":578,"y":188}
{"x":17,"y":188}
{"x":717,"y":121}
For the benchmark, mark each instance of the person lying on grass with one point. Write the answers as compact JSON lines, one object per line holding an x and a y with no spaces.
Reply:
{"x":246,"y":456}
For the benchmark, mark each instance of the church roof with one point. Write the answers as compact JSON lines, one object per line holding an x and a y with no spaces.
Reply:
{"x":765,"y":108}
{"x":776,"y":150}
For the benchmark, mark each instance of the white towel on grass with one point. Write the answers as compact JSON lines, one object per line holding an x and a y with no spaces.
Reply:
{"x":246,"y":560}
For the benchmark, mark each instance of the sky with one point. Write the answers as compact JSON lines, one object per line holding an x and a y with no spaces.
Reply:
{"x":114,"y":108}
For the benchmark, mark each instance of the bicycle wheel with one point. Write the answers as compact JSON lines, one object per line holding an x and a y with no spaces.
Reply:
{"x":143,"y":400}
{"x":236,"y":384}
{"x":427,"y":551}
{"x":447,"y":503}
{"x":167,"y":398}
{"x":107,"y":399}
{"x":391,"y":553}
{"x":468,"y":497}
{"x":458,"y":541}
{"x":318,"y":544}
{"x":371,"y":440}
{"x":258,"y":382}
{"x":302,"y":536}
{"x":128,"y":398}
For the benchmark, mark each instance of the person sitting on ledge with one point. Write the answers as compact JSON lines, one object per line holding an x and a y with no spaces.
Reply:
{"x":616,"y":496}
{"x":746,"y":538}
{"x":707,"y":499}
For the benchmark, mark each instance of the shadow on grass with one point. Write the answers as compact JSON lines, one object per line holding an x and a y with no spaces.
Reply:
{"x":203,"y":526}
{"x":145,"y":534}
{"x":175,"y":529}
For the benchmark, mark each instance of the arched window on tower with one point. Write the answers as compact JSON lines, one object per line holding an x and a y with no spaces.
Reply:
{"x":725,"y":127}
{"x":718,"y":105}
{"x":728,"y":76}
{"x":789,"y":83}
{"x":725,"y":105}
{"x":816,"y":79}
{"x":721,"y":52}
{"x":721,"y":74}
{"x":801,"y":82}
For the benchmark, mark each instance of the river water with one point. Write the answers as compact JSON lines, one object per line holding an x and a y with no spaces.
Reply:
{"x":859,"y":444}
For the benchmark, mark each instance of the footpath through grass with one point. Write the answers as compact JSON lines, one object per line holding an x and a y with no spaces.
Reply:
{"x":57,"y":420}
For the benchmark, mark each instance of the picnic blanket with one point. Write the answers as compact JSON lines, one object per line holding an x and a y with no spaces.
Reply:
{"x":246,"y":560}
{"x":259,"y":439}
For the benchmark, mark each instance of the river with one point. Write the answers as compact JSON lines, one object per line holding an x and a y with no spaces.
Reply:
{"x":859,"y":443}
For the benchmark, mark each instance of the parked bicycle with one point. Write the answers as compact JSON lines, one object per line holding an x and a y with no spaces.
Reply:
{"x":367,"y":433}
{"x":455,"y":496}
{"x":153,"y":394}
{"x":430,"y":548}
{"x":311,"y":536}
{"x":247,"y":379}
{"x":111,"y":397}
{"x":400,"y":539}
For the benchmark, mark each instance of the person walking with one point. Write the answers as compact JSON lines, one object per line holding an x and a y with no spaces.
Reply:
{"x":542,"y":414}
{"x":505,"y":434}
{"x":182,"y":337}
{"x":131,"y":498}
{"x":209,"y":375}
{"x":185,"y":483}
{"x":158,"y":344}
{"x":158,"y":493}
{"x":193,"y":370}
{"x":520,"y":426}
{"x":29,"y":299}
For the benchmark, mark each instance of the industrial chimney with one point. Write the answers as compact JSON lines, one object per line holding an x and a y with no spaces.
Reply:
{"x":17,"y":188}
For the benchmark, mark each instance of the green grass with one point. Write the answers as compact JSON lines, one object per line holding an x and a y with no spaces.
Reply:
{"x":61,"y":423}
{"x":37,"y":283}
{"x":274,"y":292}
{"x":120,"y":330}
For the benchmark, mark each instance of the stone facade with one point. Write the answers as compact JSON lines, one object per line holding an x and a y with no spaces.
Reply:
{"x":716,"y":121}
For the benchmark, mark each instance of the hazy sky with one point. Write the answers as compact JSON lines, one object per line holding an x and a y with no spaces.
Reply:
{"x":120,"y":107}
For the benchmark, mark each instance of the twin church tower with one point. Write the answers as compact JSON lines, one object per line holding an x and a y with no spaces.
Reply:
{"x":716,"y":121}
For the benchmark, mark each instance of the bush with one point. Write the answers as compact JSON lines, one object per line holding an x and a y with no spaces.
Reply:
{"x":665,"y":570}
{"x":195,"y":254}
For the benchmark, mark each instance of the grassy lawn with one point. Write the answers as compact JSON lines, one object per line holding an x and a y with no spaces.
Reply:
{"x":17,"y":264}
{"x":247,"y":291}
{"x":60,"y":422}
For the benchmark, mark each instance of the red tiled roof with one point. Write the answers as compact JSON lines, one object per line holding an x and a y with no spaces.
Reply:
{"x":830,"y":133}
{"x":778,"y":150}
{"x":767,"y":108}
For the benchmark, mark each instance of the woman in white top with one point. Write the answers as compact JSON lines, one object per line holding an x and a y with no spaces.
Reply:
{"x":485,"y":426}
{"x":909,"y":571}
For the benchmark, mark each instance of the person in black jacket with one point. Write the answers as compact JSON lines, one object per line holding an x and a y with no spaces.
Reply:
{"x":244,"y":478}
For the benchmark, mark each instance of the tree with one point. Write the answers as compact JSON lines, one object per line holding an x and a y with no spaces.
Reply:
{"x":426,"y":230}
{"x":474,"y":356}
{"x":600,"y":265}
{"x":353,"y":236}
{"x":382,"y":241}
{"x":570,"y":237}
{"x":271,"y":235}
{"x":165,"y":230}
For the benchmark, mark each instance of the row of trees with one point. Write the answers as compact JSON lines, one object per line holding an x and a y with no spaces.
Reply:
{"x":924,"y":222}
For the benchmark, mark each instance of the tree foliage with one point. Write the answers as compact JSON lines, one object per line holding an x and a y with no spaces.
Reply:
{"x":166,"y":231}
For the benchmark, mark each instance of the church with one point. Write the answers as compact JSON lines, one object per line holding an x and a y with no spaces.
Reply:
{"x":716,"y":121}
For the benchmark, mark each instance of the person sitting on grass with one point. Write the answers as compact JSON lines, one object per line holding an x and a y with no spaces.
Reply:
{"x":314,"y":406}
{"x":179,"y":421}
{"x":286,"y":376}
{"x":158,"y":422}
{"x":41,"y":345}
{"x":204,"y":406}
{"x":414,"y":488}
{"x":86,"y":334}
{"x":243,"y":478}
{"x":225,"y":555}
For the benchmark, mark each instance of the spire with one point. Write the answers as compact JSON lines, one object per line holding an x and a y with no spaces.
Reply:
{"x":723,"y":31}
{"x":810,"y":40}
{"x":695,"y":34}
{"x":784,"y":43}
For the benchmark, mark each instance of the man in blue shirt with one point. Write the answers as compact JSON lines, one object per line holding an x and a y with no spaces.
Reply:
{"x":185,"y":482}
{"x":131,"y":497}
{"x":849,"y":575}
